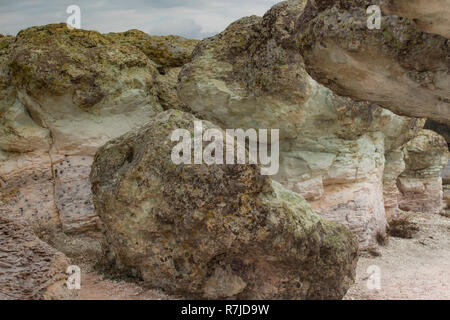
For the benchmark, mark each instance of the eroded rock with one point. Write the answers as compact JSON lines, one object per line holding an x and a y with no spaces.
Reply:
{"x":428,"y":16}
{"x":169,"y":53}
{"x":421,"y":183}
{"x":332,"y":149}
{"x":397,"y":66}
{"x":29,"y":268}
{"x":219,"y":231}
{"x":63,"y":94}
{"x":393,"y":168}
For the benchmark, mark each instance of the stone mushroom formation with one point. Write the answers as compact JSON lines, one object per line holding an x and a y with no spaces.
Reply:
{"x":86,"y":175}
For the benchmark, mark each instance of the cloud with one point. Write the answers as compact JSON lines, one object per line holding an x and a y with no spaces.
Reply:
{"x":189,"y":18}
{"x":184,"y":27}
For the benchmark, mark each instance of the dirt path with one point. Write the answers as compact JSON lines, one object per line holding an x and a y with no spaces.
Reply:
{"x":412,"y":269}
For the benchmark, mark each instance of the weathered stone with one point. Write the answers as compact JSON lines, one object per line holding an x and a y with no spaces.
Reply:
{"x":447,"y":197}
{"x":218,"y":231}
{"x":421,"y":183}
{"x":29,"y":268}
{"x":431,"y":16}
{"x":397,"y":66}
{"x":72,"y":195}
{"x":169,"y":53}
{"x":27,"y":190}
{"x":63,"y":94}
{"x":394,"y":166}
{"x":332,"y":148}
{"x":166,"y":51}
{"x":446,"y":174}
{"x":439,"y":127}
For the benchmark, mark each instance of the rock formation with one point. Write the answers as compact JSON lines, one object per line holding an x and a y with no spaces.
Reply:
{"x":428,"y":16}
{"x":30,"y":268}
{"x":397,"y":66}
{"x":63,"y":94}
{"x":332,"y":148}
{"x":421,"y":183}
{"x":393,"y":168}
{"x":169,"y":53}
{"x":217,"y":231}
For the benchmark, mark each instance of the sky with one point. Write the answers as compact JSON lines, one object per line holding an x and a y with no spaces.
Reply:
{"x":189,"y":18}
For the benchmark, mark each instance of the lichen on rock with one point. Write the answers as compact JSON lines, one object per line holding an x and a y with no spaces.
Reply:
{"x":218,"y":231}
{"x":63,"y":94}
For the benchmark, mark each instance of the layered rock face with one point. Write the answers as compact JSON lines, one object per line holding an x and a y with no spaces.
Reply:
{"x":30,"y":268}
{"x":393,"y":168}
{"x":332,"y":149}
{"x":63,"y":94}
{"x":217,"y":231}
{"x":397,"y":66}
{"x":421,"y":183}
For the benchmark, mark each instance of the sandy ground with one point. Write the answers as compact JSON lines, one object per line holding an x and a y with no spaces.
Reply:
{"x":411,"y":269}
{"x":94,"y":287}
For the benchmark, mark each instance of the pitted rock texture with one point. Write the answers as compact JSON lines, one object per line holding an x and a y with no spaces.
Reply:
{"x":396,"y":66}
{"x":169,"y":53}
{"x":421,"y":183}
{"x":218,"y":231}
{"x":63,"y":94}
{"x":29,"y":268}
{"x":332,"y":148}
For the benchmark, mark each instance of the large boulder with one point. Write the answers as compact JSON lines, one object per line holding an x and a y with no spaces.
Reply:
{"x":63,"y":94}
{"x":29,"y":268}
{"x":213,"y":231}
{"x":332,"y":148}
{"x":397,"y":66}
{"x":421,"y":183}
